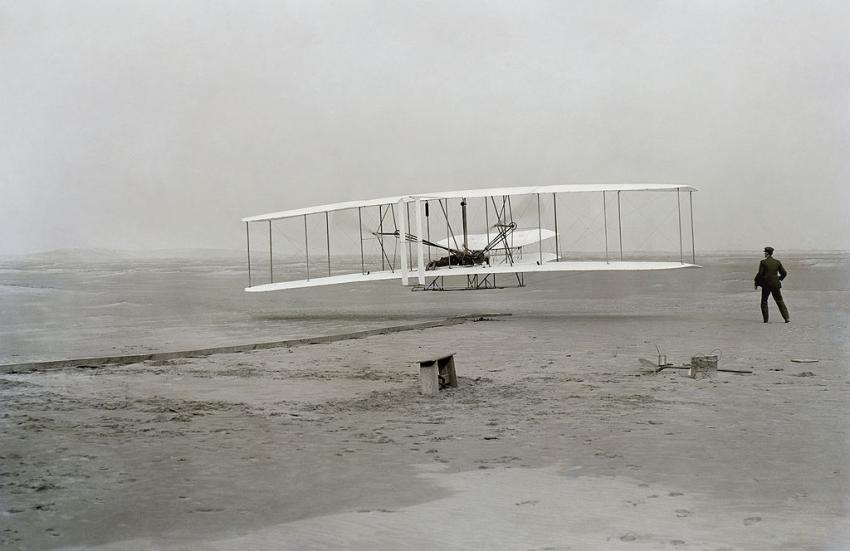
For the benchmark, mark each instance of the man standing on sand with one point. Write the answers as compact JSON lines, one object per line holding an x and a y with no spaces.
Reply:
{"x":769,"y":277}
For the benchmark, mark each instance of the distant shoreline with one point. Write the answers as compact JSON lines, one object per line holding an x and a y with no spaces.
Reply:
{"x":202,"y":253}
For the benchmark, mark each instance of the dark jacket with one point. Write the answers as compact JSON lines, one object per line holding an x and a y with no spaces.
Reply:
{"x":770,"y":273}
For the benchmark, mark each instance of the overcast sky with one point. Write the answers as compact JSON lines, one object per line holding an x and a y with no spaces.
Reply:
{"x":159,"y":124}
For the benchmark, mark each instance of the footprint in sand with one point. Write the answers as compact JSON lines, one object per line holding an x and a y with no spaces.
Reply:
{"x":682,"y":513}
{"x":751,"y":520}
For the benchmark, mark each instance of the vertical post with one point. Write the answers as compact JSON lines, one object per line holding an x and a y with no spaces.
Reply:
{"x":307,"y":247}
{"x":619,"y":225}
{"x":248,"y":236}
{"x":448,"y":237}
{"x":380,"y":234}
{"x":420,"y":253}
{"x":605,"y":222}
{"x":271,"y":260}
{"x":463,"y":216}
{"x":328,"y":237}
{"x":360,"y":227}
{"x":409,"y":245}
{"x":693,"y":246}
{"x":402,"y":216}
{"x":681,"y":247}
{"x":539,"y":231}
{"x":486,"y":220}
{"x":504,"y":216}
{"x":510,"y":215}
{"x":555,"y":210}
{"x":428,"y":225}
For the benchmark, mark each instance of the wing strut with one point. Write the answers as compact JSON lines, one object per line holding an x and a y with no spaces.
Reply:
{"x":409,"y":251}
{"x":487,"y":219}
{"x":693,"y":245}
{"x":306,"y":247}
{"x":428,"y":226}
{"x":539,"y":231}
{"x":271,"y":259}
{"x":360,"y":228}
{"x":404,"y":246}
{"x":420,"y":256}
{"x":328,"y":236}
{"x":605,"y":223}
{"x":555,"y":211}
{"x":248,"y":236}
{"x":463,"y":215}
{"x":619,"y":226}
{"x":381,"y":232}
{"x":679,"y":209}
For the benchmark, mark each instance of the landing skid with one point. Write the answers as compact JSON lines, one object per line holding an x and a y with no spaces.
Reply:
{"x":473,"y":283}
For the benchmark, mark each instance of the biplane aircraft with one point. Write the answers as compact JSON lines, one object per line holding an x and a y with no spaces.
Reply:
{"x":470,"y":236}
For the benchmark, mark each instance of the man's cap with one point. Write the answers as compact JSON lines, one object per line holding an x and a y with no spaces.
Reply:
{"x":768,"y":249}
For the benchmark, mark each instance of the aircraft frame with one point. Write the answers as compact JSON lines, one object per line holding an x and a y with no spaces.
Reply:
{"x":502,"y":250}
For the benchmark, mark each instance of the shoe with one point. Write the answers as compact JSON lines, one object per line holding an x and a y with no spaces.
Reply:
{"x":787,"y":321}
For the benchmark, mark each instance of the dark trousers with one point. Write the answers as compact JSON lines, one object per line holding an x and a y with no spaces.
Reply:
{"x":777,"y":296}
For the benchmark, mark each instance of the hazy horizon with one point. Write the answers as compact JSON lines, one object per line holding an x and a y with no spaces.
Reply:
{"x":146,"y":125}
{"x":179,"y":252}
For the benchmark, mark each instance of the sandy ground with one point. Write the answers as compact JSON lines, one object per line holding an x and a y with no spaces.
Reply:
{"x":556,"y":438}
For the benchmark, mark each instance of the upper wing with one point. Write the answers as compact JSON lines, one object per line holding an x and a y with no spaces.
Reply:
{"x":483,"y":192}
